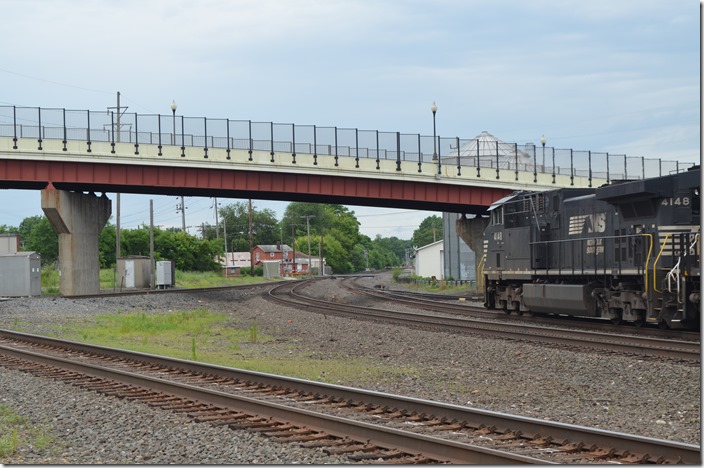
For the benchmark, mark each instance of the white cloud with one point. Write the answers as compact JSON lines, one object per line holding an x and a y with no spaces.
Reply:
{"x":600,"y":75}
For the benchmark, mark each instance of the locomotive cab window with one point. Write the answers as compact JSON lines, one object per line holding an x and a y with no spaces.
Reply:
{"x":497,"y":216}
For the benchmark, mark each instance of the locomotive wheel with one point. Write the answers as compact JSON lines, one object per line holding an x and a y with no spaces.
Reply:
{"x":640,"y":321}
{"x":617,"y":320}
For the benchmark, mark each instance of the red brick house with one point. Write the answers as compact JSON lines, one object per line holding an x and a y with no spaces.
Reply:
{"x":284,"y":254}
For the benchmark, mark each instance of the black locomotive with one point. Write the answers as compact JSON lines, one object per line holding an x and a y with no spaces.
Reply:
{"x":627,"y":251}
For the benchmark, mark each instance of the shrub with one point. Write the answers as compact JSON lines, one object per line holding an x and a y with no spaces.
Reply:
{"x":396,"y":272}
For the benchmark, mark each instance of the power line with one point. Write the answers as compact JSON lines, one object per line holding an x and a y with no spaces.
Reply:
{"x":54,"y":82}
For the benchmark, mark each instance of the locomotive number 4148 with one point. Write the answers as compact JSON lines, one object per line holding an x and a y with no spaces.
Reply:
{"x":675,"y":201}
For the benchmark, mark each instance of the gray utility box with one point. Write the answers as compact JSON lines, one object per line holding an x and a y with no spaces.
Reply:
{"x":9,"y":243}
{"x":272,"y":268}
{"x":165,"y":274}
{"x":134,"y":272}
{"x":20,"y":274}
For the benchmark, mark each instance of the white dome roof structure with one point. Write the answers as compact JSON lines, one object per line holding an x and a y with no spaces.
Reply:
{"x":486,"y":146}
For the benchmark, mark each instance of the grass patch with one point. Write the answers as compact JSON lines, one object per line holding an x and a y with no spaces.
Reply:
{"x":50,"y":281}
{"x":184,"y":279}
{"x":209,"y":279}
{"x":183,"y":334}
{"x":16,"y":432}
{"x":212,"y":337}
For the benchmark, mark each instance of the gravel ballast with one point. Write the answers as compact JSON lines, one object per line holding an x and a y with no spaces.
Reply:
{"x":647,"y":397}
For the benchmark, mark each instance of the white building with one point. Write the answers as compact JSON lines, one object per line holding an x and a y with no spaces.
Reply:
{"x":234,"y":261}
{"x":429,"y":260}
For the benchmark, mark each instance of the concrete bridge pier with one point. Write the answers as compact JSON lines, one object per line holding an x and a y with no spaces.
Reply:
{"x":471,"y":231}
{"x":78,"y":220}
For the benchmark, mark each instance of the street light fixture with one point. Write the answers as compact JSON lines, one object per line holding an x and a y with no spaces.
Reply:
{"x":173,"y":111}
{"x":183,"y":205}
{"x":542,"y":142}
{"x":434,"y":109}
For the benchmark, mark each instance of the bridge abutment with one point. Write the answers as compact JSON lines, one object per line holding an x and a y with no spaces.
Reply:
{"x":77,"y":219}
{"x":471,"y":231}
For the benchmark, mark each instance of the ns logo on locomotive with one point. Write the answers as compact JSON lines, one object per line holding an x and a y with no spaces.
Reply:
{"x":629,"y":251}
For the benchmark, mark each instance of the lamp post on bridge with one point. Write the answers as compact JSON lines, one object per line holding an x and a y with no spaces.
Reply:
{"x":173,"y":111}
{"x":434,"y":109}
{"x":542,"y":142}
{"x":183,"y":205}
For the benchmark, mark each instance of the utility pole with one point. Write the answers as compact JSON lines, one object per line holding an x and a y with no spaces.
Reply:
{"x":251,"y":243}
{"x":320,"y":252}
{"x":293,"y":246}
{"x":308,"y":228}
{"x":117,"y":129}
{"x":224,"y":227}
{"x":151,"y":243}
{"x":182,"y":207}
{"x":217,"y":225}
{"x":183,"y":214}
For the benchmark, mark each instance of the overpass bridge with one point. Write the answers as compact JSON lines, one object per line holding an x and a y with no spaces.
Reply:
{"x":65,"y":153}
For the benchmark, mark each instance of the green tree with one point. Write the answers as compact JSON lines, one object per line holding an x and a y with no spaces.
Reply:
{"x":188,"y":252}
{"x":358,"y":257}
{"x":235,"y":217}
{"x":134,"y":242}
{"x":393,"y":245}
{"x":106,"y":246}
{"x":39,"y":236}
{"x":334,"y":222}
{"x":297,"y":215}
{"x":429,"y":231}
{"x":336,"y":255}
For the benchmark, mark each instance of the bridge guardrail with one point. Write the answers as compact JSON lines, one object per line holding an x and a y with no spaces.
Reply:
{"x":474,"y":154}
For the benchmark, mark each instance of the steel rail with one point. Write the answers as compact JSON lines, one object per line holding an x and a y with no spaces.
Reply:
{"x":529,"y":427}
{"x":682,"y":350}
{"x":411,"y":443}
{"x":440,"y":303}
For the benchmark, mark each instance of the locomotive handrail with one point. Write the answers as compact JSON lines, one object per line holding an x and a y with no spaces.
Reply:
{"x":581,"y":241}
{"x":655,"y":264}
{"x":480,"y":272}
{"x":674,"y":274}
{"x":647,"y":260}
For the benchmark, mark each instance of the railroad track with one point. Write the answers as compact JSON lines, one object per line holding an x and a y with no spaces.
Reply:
{"x":462,"y":305}
{"x":369,"y":426}
{"x":291,"y":294}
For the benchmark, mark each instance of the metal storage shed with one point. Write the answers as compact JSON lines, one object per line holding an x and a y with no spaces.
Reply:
{"x":20,"y":274}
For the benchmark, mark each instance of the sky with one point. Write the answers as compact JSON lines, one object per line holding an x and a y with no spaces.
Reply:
{"x":599,"y":75}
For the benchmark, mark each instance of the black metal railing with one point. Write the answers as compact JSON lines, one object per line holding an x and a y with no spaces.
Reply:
{"x":468,"y":157}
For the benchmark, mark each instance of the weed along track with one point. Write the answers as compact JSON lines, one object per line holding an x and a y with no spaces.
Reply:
{"x":367,"y":426}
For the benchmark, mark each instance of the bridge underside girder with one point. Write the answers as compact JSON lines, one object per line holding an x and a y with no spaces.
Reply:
{"x":204,"y":182}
